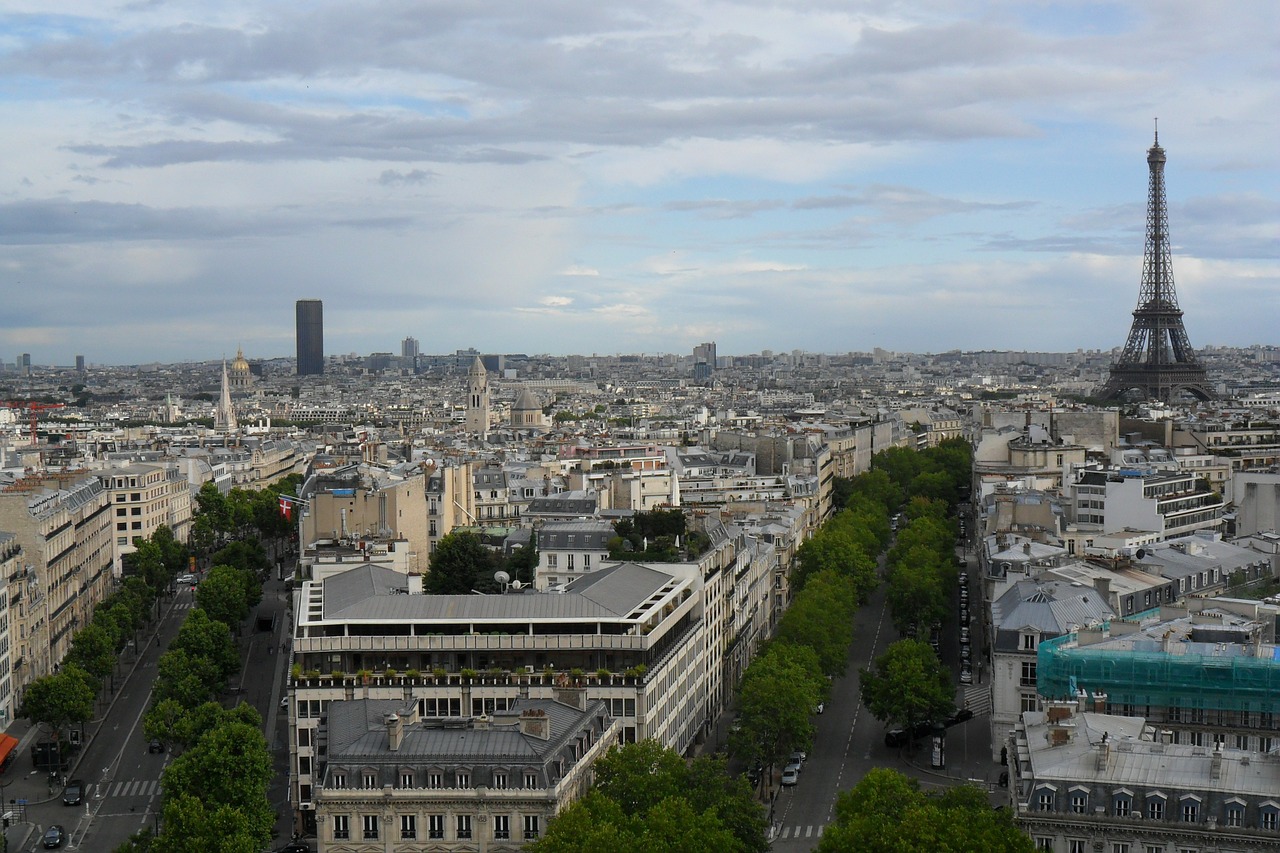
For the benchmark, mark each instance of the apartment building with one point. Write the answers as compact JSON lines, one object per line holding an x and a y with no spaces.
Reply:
{"x":1171,"y":503}
{"x":64,"y":525}
{"x":12,"y":582}
{"x":143,"y":497}
{"x":395,"y":780}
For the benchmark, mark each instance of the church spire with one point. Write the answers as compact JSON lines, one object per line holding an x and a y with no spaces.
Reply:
{"x":224,"y":416}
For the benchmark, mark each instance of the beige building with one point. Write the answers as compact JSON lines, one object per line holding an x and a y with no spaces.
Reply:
{"x":63,"y":522}
{"x":365,"y":502}
{"x":143,"y":497}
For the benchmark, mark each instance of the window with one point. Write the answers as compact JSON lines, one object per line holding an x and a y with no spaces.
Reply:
{"x":368,"y":780}
{"x":551,"y":561}
{"x":1075,"y":845}
{"x":304,"y":765}
{"x":1155,"y":848}
{"x":530,"y":779}
{"x":1045,"y":801}
{"x":1028,"y":642}
{"x":304,"y":736}
{"x":1028,"y":673}
{"x":499,"y":779}
{"x":1044,"y":842}
{"x":1269,"y":820}
{"x":341,"y":827}
{"x":1190,"y":811}
{"x":1123,"y":806}
{"x":408,"y":826}
{"x":1119,"y":847}
{"x":530,"y":826}
{"x":339,"y":780}
{"x":464,"y":779}
{"x":464,"y":826}
{"x":501,"y":827}
{"x":1079,"y":802}
{"x":435,"y":826}
{"x":435,"y":779}
{"x":406,"y":778}
{"x":1155,"y":809}
{"x":569,"y":562}
{"x":1235,"y":815}
{"x":370,"y":822}
{"x":586,"y":562}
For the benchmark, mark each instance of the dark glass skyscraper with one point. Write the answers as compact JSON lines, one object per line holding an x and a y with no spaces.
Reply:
{"x":310,"y":337}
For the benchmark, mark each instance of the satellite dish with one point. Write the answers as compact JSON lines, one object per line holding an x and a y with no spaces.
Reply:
{"x":516,"y":584}
{"x":502,"y":577}
{"x":1140,"y":553}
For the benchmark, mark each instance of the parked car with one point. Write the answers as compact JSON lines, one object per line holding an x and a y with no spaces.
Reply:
{"x":902,"y":737}
{"x":54,"y":836}
{"x":798,"y":758}
{"x":964,"y":633}
{"x":966,"y":674}
{"x":820,"y":707}
{"x":155,"y":745}
{"x":790,"y":775}
{"x":73,"y":794}
{"x":295,"y":847}
{"x":961,"y":715}
{"x":187,"y":579}
{"x":964,"y":576}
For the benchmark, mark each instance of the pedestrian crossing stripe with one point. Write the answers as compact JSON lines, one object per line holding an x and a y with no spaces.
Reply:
{"x":809,"y":831}
{"x":977,"y":699}
{"x":134,"y":788}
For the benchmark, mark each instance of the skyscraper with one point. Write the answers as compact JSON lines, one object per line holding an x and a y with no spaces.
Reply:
{"x":310,"y":332}
{"x":409,"y":348}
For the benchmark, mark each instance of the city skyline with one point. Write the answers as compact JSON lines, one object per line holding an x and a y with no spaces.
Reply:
{"x":628,"y":177}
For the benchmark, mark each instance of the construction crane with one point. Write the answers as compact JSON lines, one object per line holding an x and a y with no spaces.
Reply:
{"x":34,"y":408}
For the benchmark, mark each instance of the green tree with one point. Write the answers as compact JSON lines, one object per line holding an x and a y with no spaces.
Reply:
{"x":60,"y":700}
{"x":193,"y":823}
{"x":201,"y":636}
{"x":779,"y":691}
{"x":876,"y":485}
{"x":821,"y":617}
{"x":648,"y":798}
{"x":93,"y":648}
{"x":222,"y":595}
{"x":908,"y":685}
{"x":460,"y":564}
{"x":229,"y":767}
{"x":187,"y":679}
{"x":917,"y":589}
{"x":887,"y":813}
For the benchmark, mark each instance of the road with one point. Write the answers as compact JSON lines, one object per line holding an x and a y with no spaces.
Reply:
{"x":123,"y":779}
{"x":849,"y":741}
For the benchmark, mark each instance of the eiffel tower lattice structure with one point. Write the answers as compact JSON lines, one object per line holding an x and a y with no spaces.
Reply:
{"x":1158,"y":362}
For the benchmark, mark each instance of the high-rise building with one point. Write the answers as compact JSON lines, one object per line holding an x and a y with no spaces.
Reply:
{"x":79,"y":364}
{"x":409,"y":348}
{"x":704,"y":360}
{"x":310,"y":332}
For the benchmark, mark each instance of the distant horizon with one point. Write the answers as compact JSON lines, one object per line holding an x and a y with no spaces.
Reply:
{"x":630,"y":177}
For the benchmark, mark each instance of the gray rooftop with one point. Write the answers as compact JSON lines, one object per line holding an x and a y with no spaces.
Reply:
{"x":1050,"y":607}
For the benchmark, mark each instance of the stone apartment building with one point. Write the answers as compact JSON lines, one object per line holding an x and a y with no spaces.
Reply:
{"x":143,"y":497}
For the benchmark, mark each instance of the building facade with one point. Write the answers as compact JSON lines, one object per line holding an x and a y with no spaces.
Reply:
{"x":310,"y":337}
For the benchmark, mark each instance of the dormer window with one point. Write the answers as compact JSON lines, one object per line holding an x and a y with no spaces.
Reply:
{"x":1029,"y":642}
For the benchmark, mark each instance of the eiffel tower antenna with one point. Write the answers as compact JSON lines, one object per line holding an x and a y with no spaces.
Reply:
{"x":1158,"y":362}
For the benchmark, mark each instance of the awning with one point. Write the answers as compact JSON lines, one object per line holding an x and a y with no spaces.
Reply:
{"x":8,"y":743}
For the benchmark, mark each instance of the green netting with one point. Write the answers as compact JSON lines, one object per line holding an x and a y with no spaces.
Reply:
{"x":1209,"y":682}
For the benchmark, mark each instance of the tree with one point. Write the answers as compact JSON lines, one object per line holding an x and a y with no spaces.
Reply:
{"x":648,"y":798}
{"x":821,"y":617}
{"x":187,"y":679}
{"x":887,"y":813}
{"x":229,"y":767}
{"x":192,"y":823}
{"x":908,"y":685}
{"x":93,"y":648}
{"x":222,"y":595}
{"x":835,"y":551}
{"x":62,"y":699}
{"x":201,"y":636}
{"x":779,"y":691}
{"x":917,"y":589}
{"x":460,"y":564}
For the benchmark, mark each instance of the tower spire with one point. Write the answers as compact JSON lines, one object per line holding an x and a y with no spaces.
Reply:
{"x":1157,"y":360}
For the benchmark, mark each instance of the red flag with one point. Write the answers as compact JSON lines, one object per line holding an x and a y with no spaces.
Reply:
{"x":286,"y":507}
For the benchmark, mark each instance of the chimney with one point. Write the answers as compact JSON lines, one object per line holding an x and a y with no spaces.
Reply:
{"x":1099,"y":703}
{"x":395,"y":732}
{"x":415,"y":583}
{"x":534,"y":722}
{"x":574,"y":697}
{"x":1103,"y":586}
{"x":1215,"y":763}
{"x":1026,"y":548}
{"x":1103,"y":754}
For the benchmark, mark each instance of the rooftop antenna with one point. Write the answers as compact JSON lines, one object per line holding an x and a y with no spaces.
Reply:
{"x":1157,"y":123}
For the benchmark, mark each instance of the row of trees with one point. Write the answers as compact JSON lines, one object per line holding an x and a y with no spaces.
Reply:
{"x":907,"y":685}
{"x":64,"y":699}
{"x":215,"y":790}
{"x":834,"y":576}
{"x":648,"y":798}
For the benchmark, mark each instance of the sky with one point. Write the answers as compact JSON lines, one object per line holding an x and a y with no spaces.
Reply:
{"x":588,"y":176}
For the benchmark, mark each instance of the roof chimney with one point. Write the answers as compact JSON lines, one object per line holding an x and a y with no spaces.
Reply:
{"x":1215,"y":763}
{"x":1103,"y":586}
{"x":1026,"y":548}
{"x":534,"y":722}
{"x":395,"y":732}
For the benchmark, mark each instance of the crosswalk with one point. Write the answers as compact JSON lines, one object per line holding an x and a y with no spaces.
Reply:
{"x":134,"y":788}
{"x":184,"y":605}
{"x":801,"y":831}
{"x":977,"y":698}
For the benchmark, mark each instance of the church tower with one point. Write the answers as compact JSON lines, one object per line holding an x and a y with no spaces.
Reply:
{"x":224,"y":416}
{"x":478,"y":399}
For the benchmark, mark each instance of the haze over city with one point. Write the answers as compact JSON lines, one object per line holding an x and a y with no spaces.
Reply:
{"x":628,"y":177}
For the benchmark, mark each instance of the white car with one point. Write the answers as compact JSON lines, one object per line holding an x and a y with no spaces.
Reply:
{"x":186,"y":578}
{"x":790,"y":775}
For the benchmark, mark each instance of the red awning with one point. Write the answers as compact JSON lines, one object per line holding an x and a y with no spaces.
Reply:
{"x":8,"y":743}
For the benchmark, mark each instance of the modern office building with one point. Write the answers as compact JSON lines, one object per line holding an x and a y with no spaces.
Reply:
{"x":310,"y":333}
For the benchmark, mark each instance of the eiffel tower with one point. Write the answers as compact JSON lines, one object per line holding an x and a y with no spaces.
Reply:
{"x":1158,"y":362}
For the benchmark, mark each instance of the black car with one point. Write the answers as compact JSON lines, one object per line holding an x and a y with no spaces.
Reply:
{"x":294,"y":847}
{"x":902,"y":737}
{"x":53,"y":837}
{"x":155,"y":746}
{"x":961,"y":715}
{"x":73,"y":794}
